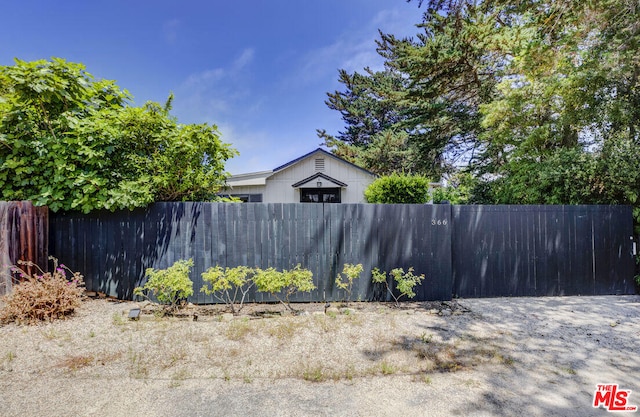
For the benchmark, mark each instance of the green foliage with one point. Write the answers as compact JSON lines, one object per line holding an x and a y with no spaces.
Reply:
{"x":42,"y":295}
{"x":72,"y":143}
{"x":405,"y":282}
{"x":378,"y":276}
{"x":229,"y":285}
{"x":441,"y":75}
{"x":540,"y":99}
{"x":388,"y":152}
{"x":168,"y":286}
{"x":350,"y":273}
{"x":398,"y":189}
{"x":373,"y":137}
{"x":291,"y":281}
{"x":458,"y":191}
{"x":572,"y":176}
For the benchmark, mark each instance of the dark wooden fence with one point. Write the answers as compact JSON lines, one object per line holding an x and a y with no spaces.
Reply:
{"x":542,"y":250}
{"x":468,"y":251}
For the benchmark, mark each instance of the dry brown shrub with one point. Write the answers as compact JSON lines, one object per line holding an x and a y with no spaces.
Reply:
{"x":43,"y":296}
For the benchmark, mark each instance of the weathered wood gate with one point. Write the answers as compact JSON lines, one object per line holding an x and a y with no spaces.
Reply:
{"x":467,"y":251}
{"x":23,"y":236}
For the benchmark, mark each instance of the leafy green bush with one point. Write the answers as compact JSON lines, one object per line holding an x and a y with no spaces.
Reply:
{"x":43,"y":296}
{"x":291,"y":281}
{"x":228,"y":284}
{"x":398,"y":189}
{"x":405,"y":282}
{"x":351,"y":273}
{"x":71,"y":142}
{"x":168,"y":286}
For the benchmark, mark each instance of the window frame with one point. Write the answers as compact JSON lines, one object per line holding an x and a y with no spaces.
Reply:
{"x":320,"y":193}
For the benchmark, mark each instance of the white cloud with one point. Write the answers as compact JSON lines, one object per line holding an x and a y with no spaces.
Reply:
{"x":399,"y":21}
{"x":204,"y":77}
{"x":256,"y":150}
{"x":356,"y":49}
{"x":345,"y":53}
{"x":245,"y":58}
{"x":213,"y":93}
{"x":208,"y":78}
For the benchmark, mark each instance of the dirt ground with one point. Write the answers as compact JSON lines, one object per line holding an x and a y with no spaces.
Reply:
{"x":475,"y":357}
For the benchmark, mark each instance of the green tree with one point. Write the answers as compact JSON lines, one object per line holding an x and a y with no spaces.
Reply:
{"x":444,"y":73}
{"x":405,"y":282}
{"x":169,"y":286}
{"x":350,"y":272}
{"x":229,"y":285}
{"x":367,"y":105}
{"x":73,"y":143}
{"x":539,"y":101}
{"x":458,"y":190}
{"x":288,"y":282}
{"x":562,"y":128}
{"x":373,"y":137}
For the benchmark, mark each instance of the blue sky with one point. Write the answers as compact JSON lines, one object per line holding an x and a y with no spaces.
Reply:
{"x":259,"y":70}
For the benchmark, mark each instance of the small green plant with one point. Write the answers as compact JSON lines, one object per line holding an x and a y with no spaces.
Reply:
{"x":426,"y":379}
{"x":298,"y":280}
{"x":43,"y":295}
{"x":6,"y":362}
{"x":425,"y":338}
{"x":170,"y":285}
{"x":285,"y":330}
{"x":387,"y":368}
{"x":291,"y":281}
{"x":405,"y":282}
{"x":50,"y":334}
{"x":314,"y":374}
{"x":238,"y":329}
{"x":117,"y":319}
{"x":350,"y":372}
{"x":178,"y":377}
{"x":350,"y":273}
{"x":139,"y":366}
{"x":229,"y":285}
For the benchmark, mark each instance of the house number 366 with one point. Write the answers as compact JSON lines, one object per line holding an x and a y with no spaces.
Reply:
{"x":435,"y":222}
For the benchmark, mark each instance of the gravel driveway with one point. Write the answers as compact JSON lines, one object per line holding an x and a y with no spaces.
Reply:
{"x":482,"y":357}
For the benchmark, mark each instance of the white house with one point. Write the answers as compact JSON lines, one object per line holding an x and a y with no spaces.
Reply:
{"x":317,"y":177}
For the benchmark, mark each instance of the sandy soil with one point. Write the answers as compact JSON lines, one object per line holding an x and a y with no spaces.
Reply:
{"x":481,"y":357}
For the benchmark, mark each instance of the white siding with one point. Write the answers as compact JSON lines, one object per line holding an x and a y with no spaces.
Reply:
{"x":279,"y":186}
{"x":255,"y":189}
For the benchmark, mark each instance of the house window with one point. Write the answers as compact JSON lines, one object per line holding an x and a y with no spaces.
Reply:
{"x":248,"y":198}
{"x":320,"y":195}
{"x":320,"y":164}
